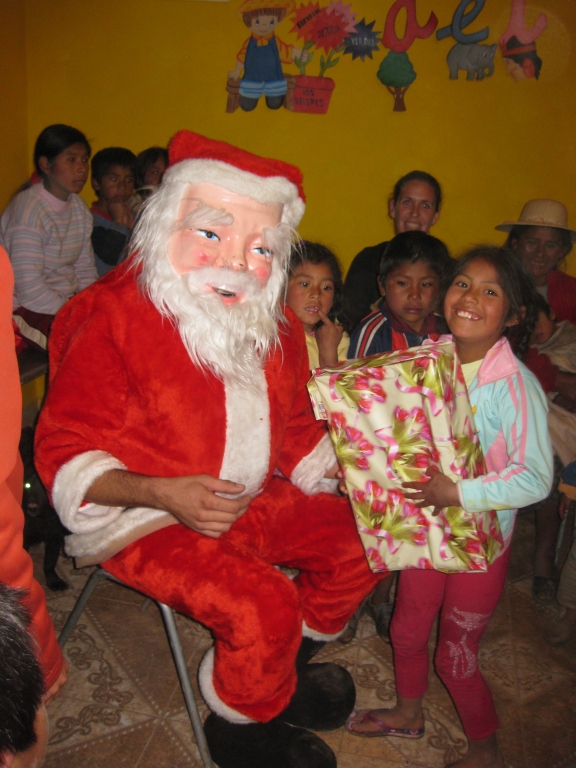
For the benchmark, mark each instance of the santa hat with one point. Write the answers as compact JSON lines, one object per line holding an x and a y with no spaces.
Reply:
{"x":195,"y":159}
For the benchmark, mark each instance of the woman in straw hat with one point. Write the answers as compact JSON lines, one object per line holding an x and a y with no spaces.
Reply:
{"x":543,"y":239}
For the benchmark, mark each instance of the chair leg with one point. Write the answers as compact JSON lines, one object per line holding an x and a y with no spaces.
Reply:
{"x":91,"y":585}
{"x":184,"y":677}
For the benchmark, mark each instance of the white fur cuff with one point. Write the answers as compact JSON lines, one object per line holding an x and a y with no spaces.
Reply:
{"x":315,"y":635}
{"x":309,"y":473}
{"x":70,"y":486}
{"x":206,"y":680}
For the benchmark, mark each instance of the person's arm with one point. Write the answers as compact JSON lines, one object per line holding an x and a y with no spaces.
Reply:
{"x":192,"y":500}
{"x":328,"y":338}
{"x":552,"y":379}
{"x":520,"y":405}
{"x":25,"y":246}
{"x":85,"y":266}
{"x":306,"y":454}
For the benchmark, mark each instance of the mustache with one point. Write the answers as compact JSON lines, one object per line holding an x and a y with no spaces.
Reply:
{"x":222,"y":279}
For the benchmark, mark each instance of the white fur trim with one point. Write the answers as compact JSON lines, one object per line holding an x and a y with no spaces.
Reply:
{"x":90,"y":544}
{"x":314,"y":635}
{"x":271,"y":189}
{"x":247,"y":453}
{"x":70,"y":485}
{"x":309,"y":473}
{"x":206,"y":681}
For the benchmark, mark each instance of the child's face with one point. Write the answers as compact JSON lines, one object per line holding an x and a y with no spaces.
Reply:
{"x":310,"y":289}
{"x":115,"y":186}
{"x":263,"y":25}
{"x":68,"y":172}
{"x":411,"y":292}
{"x":476,"y":309}
{"x":543,"y":330}
{"x":154,"y":173}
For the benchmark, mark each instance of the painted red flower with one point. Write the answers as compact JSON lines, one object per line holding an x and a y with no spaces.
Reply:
{"x":425,"y":564}
{"x":362,"y":463}
{"x":378,"y":393}
{"x":378,"y":507}
{"x":400,"y":414}
{"x":328,"y":30}
{"x":419,"y":538}
{"x":373,"y":488}
{"x":338,"y":420}
{"x":376,"y":373}
{"x":358,"y":495}
{"x":354,"y":435}
{"x":365,"y":405}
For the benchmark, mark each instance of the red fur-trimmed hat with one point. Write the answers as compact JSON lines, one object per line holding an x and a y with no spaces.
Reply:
{"x":195,"y":159}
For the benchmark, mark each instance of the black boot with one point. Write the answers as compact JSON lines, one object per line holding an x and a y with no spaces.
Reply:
{"x":265,"y":745}
{"x":325,"y":695}
{"x":308,"y":649}
{"x":247,"y":104}
{"x":274,"y":102}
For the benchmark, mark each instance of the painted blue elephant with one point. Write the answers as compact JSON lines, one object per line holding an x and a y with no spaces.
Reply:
{"x":473,"y":59}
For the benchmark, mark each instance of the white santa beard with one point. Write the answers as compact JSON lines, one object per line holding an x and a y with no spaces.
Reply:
{"x":231,"y":340}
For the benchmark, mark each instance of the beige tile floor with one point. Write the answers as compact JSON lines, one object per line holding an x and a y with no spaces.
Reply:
{"x":122,"y":706}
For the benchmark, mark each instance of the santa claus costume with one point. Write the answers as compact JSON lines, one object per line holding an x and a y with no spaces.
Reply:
{"x":134,"y":387}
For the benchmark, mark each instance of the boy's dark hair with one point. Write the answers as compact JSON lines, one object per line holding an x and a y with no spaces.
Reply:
{"x":418,"y":176}
{"x":144,"y":160}
{"x":411,"y":247}
{"x":21,"y":680}
{"x":109,"y":157}
{"x":53,"y":140}
{"x":542,"y":305}
{"x":520,"y":229}
{"x":518,"y":288}
{"x":316,"y":253}
{"x":280,"y":14}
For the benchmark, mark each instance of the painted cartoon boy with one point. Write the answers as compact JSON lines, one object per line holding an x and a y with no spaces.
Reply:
{"x":263,"y":54}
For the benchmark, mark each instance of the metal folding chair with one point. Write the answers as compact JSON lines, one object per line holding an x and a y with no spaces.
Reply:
{"x":175,"y":646}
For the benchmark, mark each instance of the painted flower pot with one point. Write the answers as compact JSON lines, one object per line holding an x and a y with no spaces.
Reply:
{"x":312,"y":94}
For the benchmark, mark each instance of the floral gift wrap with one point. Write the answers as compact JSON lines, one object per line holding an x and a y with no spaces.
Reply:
{"x":392,"y":416}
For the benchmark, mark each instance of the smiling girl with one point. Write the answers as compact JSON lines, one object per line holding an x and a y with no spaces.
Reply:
{"x":315,"y":294}
{"x":490,"y":298}
{"x":46,"y":231}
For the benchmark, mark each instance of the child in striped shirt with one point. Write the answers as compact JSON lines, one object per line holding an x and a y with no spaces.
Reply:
{"x":46,"y":231}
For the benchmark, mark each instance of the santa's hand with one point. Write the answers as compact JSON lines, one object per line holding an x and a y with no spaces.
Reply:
{"x":438,"y":492}
{"x":194,"y":501}
{"x":328,"y":337}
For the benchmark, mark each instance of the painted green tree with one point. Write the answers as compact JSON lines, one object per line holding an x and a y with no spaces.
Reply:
{"x":397,"y":74}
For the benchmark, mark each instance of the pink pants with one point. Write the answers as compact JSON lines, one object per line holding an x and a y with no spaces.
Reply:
{"x":468,"y":601}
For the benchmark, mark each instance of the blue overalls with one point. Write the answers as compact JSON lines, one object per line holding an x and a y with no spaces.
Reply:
{"x":262,"y":71}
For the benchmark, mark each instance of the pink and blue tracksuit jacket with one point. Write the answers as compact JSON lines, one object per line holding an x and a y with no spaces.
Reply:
{"x":510,"y":413}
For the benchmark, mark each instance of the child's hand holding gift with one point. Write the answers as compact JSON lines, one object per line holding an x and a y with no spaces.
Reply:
{"x":438,"y":492}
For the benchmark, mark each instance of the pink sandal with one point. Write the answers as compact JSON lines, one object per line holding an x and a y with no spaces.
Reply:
{"x":360,"y":716}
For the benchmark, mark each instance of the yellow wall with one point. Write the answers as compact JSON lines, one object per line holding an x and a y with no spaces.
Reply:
{"x":132,"y":73}
{"x":13,"y":124}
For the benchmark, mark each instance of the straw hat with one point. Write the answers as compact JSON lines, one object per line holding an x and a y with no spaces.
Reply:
{"x":541,"y":213}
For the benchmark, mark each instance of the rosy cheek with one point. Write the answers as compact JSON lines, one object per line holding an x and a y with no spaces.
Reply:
{"x":262,"y":273}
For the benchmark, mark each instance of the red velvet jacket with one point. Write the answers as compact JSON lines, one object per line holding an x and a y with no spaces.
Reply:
{"x":122,"y":384}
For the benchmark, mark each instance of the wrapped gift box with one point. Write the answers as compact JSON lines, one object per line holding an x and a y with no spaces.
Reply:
{"x":391,"y":417}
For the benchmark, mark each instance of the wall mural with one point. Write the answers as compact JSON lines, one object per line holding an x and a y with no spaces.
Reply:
{"x":325,"y":33}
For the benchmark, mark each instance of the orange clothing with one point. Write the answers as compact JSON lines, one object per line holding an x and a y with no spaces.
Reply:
{"x":15,"y":563}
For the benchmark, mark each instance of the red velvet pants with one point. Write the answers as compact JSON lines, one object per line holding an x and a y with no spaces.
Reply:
{"x":467,"y":602}
{"x":254,"y":610}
